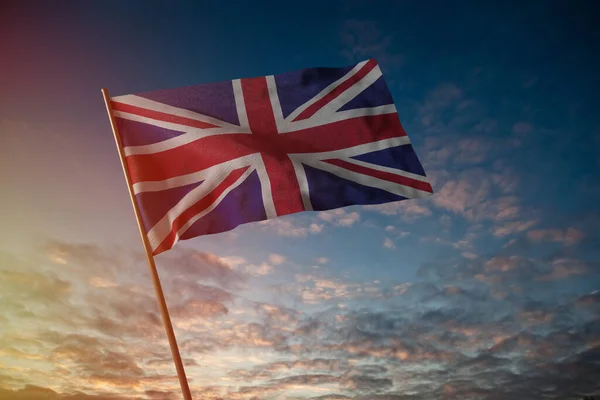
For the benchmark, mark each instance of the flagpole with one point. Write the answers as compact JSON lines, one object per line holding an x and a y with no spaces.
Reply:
{"x":150,"y":258}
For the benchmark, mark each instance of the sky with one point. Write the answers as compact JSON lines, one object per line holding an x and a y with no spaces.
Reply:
{"x":489,"y":289}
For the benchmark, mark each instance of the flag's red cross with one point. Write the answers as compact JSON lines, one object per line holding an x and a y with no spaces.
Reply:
{"x":273,"y":147}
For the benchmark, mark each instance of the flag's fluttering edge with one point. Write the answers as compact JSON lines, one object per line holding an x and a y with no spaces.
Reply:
{"x":204,"y":159}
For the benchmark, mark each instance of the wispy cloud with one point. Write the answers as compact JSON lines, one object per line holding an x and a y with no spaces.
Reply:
{"x":459,"y":196}
{"x":340,"y":217}
{"x":408,"y":209}
{"x":276,"y":259}
{"x":569,"y":236}
{"x":513,"y":227}
{"x":285,"y":227}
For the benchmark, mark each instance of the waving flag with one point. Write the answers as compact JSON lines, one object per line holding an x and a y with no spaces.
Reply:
{"x":204,"y":159}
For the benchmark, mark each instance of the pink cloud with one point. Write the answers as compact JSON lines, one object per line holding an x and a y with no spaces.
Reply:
{"x":569,"y":237}
{"x":508,"y":213}
{"x":553,"y":235}
{"x":284,"y":227}
{"x":276,"y":259}
{"x":471,"y":150}
{"x":408,"y":209}
{"x":513,"y":227}
{"x":500,"y":209}
{"x":195,"y":308}
{"x":535,"y":317}
{"x":389,"y":244}
{"x":459,"y":195}
{"x":502,"y":264}
{"x":563,"y":269}
{"x":573,"y":236}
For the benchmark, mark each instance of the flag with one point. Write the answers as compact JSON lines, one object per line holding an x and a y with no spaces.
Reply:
{"x":204,"y":159}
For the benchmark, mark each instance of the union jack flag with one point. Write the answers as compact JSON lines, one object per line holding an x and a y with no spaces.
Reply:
{"x":204,"y":159}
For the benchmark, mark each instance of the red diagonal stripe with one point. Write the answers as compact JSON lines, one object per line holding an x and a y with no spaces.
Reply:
{"x":201,"y":205}
{"x":189,"y":158}
{"x":343,"y":134}
{"x":160,"y":116}
{"x":386,"y":176}
{"x":316,"y":106}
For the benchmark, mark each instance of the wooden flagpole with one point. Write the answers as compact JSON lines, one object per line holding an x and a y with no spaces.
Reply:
{"x":150,"y":258}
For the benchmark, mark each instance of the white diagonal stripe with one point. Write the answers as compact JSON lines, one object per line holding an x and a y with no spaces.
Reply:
{"x":162,"y":228}
{"x":189,"y":134}
{"x":275,"y":104}
{"x":367,"y":180}
{"x":302,"y":183}
{"x":201,"y":214}
{"x":178,"y":141}
{"x":240,"y":104}
{"x":354,"y":150}
{"x":325,"y":119}
{"x":142,"y":102}
{"x":347,"y":95}
{"x":326,"y":91}
{"x":389,"y":170}
{"x":182,"y":180}
{"x":265,"y":187}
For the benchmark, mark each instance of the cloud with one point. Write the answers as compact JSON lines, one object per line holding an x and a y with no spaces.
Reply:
{"x":563,"y":269}
{"x":32,"y":392}
{"x":469,"y":255}
{"x":389,"y":244}
{"x":206,"y":266}
{"x":310,"y":289}
{"x":569,"y":237}
{"x":285,"y":227}
{"x":97,"y":363}
{"x":81,"y":256}
{"x":368,"y":384}
{"x":590,"y":299}
{"x":491,"y":317}
{"x":460,"y":195}
{"x":463,"y":152}
{"x":503,"y":264}
{"x":233,"y":261}
{"x":573,"y":236}
{"x":259,"y":270}
{"x":27,"y":285}
{"x":276,"y":259}
{"x":513,"y":227}
{"x":408,"y":209}
{"x":195,"y":308}
{"x":340,"y":217}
